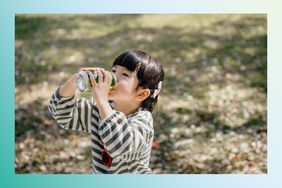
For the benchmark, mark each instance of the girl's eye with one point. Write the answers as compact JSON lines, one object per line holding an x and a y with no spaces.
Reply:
{"x":125,"y":74}
{"x":113,"y":71}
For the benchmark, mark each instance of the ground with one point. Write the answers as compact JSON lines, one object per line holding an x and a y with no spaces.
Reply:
{"x":212,"y":113}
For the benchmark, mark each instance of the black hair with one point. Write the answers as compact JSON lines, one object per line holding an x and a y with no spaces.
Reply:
{"x":149,"y":73}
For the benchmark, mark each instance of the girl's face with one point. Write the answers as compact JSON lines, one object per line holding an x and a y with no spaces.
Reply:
{"x":127,"y":84}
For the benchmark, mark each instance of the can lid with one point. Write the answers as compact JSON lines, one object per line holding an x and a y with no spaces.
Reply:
{"x":82,"y":81}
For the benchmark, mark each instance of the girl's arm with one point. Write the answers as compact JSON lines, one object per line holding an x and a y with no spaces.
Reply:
{"x":123,"y":137}
{"x":101,"y":92}
{"x":68,"y":89}
{"x":118,"y":134}
{"x":71,"y":113}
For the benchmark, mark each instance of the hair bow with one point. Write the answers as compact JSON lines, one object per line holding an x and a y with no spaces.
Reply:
{"x":157,"y":91}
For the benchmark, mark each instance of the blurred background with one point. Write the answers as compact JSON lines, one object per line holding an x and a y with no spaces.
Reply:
{"x":212,"y":113}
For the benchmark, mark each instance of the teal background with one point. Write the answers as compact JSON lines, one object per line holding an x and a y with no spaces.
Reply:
{"x":8,"y":9}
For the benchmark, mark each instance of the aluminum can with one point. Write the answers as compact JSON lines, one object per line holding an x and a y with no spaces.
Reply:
{"x":83,"y":82}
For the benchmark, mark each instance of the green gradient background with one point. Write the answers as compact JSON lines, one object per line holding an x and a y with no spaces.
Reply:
{"x":8,"y":9}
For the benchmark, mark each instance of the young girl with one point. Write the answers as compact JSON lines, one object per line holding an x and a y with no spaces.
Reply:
{"x":120,"y":122}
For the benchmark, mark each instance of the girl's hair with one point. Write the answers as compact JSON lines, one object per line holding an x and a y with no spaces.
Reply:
{"x":149,"y":73}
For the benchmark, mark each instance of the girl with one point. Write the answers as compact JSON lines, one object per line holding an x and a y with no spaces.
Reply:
{"x":120,"y":122}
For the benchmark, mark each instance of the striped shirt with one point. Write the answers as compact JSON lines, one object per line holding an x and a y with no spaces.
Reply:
{"x":128,"y":140}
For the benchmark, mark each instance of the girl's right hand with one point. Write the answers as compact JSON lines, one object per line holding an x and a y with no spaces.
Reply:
{"x":69,"y":87}
{"x":91,"y":69}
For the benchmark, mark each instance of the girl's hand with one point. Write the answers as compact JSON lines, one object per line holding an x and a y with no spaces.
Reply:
{"x":91,"y":69}
{"x":100,"y":89}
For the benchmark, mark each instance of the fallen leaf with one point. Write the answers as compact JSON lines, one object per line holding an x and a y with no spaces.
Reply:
{"x":156,"y":144}
{"x":73,"y":137}
{"x":48,"y":122}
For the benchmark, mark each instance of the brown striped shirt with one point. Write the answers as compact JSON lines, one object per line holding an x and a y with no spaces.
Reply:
{"x":128,"y":140}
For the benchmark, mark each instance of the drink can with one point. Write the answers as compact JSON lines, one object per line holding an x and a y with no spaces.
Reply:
{"x":83,"y":81}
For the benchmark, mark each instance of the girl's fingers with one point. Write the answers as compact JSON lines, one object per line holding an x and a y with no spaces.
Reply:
{"x":100,"y":75}
{"x":88,"y":69}
{"x":83,"y":69}
{"x":103,"y":76}
{"x":92,"y":80}
{"x":108,"y":78}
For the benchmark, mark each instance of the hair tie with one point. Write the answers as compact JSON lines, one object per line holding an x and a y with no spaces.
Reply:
{"x":157,"y":91}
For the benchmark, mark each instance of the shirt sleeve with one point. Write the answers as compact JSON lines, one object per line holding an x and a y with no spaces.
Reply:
{"x":122,"y":137}
{"x":73,"y":114}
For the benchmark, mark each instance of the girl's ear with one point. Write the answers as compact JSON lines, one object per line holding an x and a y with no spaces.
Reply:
{"x":142,"y":94}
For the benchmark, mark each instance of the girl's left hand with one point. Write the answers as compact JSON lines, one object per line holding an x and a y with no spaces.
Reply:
{"x":101,"y":89}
